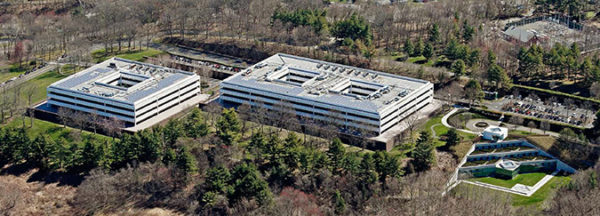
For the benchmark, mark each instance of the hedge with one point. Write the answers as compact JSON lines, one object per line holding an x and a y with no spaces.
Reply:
{"x":557,"y":93}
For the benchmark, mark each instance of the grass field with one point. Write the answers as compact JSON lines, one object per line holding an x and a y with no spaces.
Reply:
{"x":9,"y":71}
{"x":528,"y":179}
{"x":50,"y":129}
{"x":544,"y":193}
{"x":135,"y":55}
{"x":440,"y":130}
{"x":544,"y":142}
{"x":40,"y":83}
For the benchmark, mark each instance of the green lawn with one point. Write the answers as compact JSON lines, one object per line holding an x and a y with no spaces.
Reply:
{"x":543,"y":193}
{"x":9,"y":71}
{"x":536,"y":199}
{"x":416,"y":59}
{"x":40,"y":83}
{"x":135,"y":55}
{"x":53,"y":130}
{"x":528,"y":179}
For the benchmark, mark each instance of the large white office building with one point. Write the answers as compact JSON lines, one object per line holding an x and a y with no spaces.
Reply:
{"x":357,"y":98}
{"x":131,"y":91}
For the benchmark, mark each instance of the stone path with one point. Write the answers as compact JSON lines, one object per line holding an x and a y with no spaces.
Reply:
{"x":445,"y":121}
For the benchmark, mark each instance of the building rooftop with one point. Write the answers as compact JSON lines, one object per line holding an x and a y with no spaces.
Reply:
{"x":122,"y":80}
{"x":327,"y":82}
{"x":495,"y":129}
{"x":507,"y":164}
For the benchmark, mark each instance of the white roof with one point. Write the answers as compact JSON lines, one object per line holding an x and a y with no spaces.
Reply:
{"x":144,"y":79}
{"x":326,"y":82}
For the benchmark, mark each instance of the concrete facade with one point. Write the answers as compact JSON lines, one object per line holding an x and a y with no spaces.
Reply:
{"x":130,"y":91}
{"x":357,"y":99}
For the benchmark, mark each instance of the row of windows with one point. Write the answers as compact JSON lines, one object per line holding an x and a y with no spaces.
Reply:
{"x":309,"y":112}
{"x":141,"y":114}
{"x":405,"y":116}
{"x":166,"y":108}
{"x":413,"y":106}
{"x":297,"y":103}
{"x":91,"y":101}
{"x":405,"y":104}
{"x":92,"y":108}
{"x":166,"y":95}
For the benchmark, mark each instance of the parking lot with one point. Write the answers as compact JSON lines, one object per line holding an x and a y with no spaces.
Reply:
{"x":551,"y":111}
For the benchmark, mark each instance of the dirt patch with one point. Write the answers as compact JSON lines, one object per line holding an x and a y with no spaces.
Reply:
{"x":35,"y":198}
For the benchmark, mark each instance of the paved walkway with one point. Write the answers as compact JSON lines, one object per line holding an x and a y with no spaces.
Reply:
{"x":445,"y":121}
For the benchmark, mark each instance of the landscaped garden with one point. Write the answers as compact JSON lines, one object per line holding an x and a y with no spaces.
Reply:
{"x":501,"y":149}
{"x":134,"y":55}
{"x":528,"y":179}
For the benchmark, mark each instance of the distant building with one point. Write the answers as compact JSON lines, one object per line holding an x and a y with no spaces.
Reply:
{"x":494,"y":133}
{"x":357,"y":99}
{"x":131,"y":91}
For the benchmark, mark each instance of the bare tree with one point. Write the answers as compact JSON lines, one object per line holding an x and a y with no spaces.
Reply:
{"x":29,"y":91}
{"x":595,"y":90}
{"x":213,"y":110}
{"x":516,"y":121}
{"x":411,"y":122}
{"x":94,"y":120}
{"x":80,"y":119}
{"x":244,"y":112}
{"x":64,"y":114}
{"x":531,"y":125}
{"x":545,"y":125}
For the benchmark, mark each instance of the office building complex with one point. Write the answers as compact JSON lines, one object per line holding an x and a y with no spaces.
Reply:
{"x":131,"y":91}
{"x":355,"y":98}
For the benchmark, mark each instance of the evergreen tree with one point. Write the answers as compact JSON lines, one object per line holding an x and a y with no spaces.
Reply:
{"x":148,"y":149}
{"x":354,"y":28}
{"x":434,"y":34}
{"x":458,"y":68}
{"x":40,"y":152}
{"x":258,"y":144}
{"x":172,"y":131}
{"x":386,"y":166}
{"x":418,"y":49}
{"x":491,"y":58}
{"x":497,"y":75}
{"x":452,"y":138}
{"x":217,"y":179}
{"x":184,"y":161}
{"x":194,"y":124}
{"x":169,"y":156}
{"x":428,"y":51}
{"x":473,"y":91}
{"x":424,"y":152}
{"x":90,"y":156}
{"x":228,"y":127}
{"x":336,"y":153}
{"x":247,"y":183}
{"x":340,"y":204}
{"x":451,"y":49}
{"x":408,"y":47}
{"x":468,"y":31}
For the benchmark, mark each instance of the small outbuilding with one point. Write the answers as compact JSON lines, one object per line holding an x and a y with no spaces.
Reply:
{"x":495,"y":133}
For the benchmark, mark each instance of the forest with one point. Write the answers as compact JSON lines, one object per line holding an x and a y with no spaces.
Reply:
{"x":216,"y":161}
